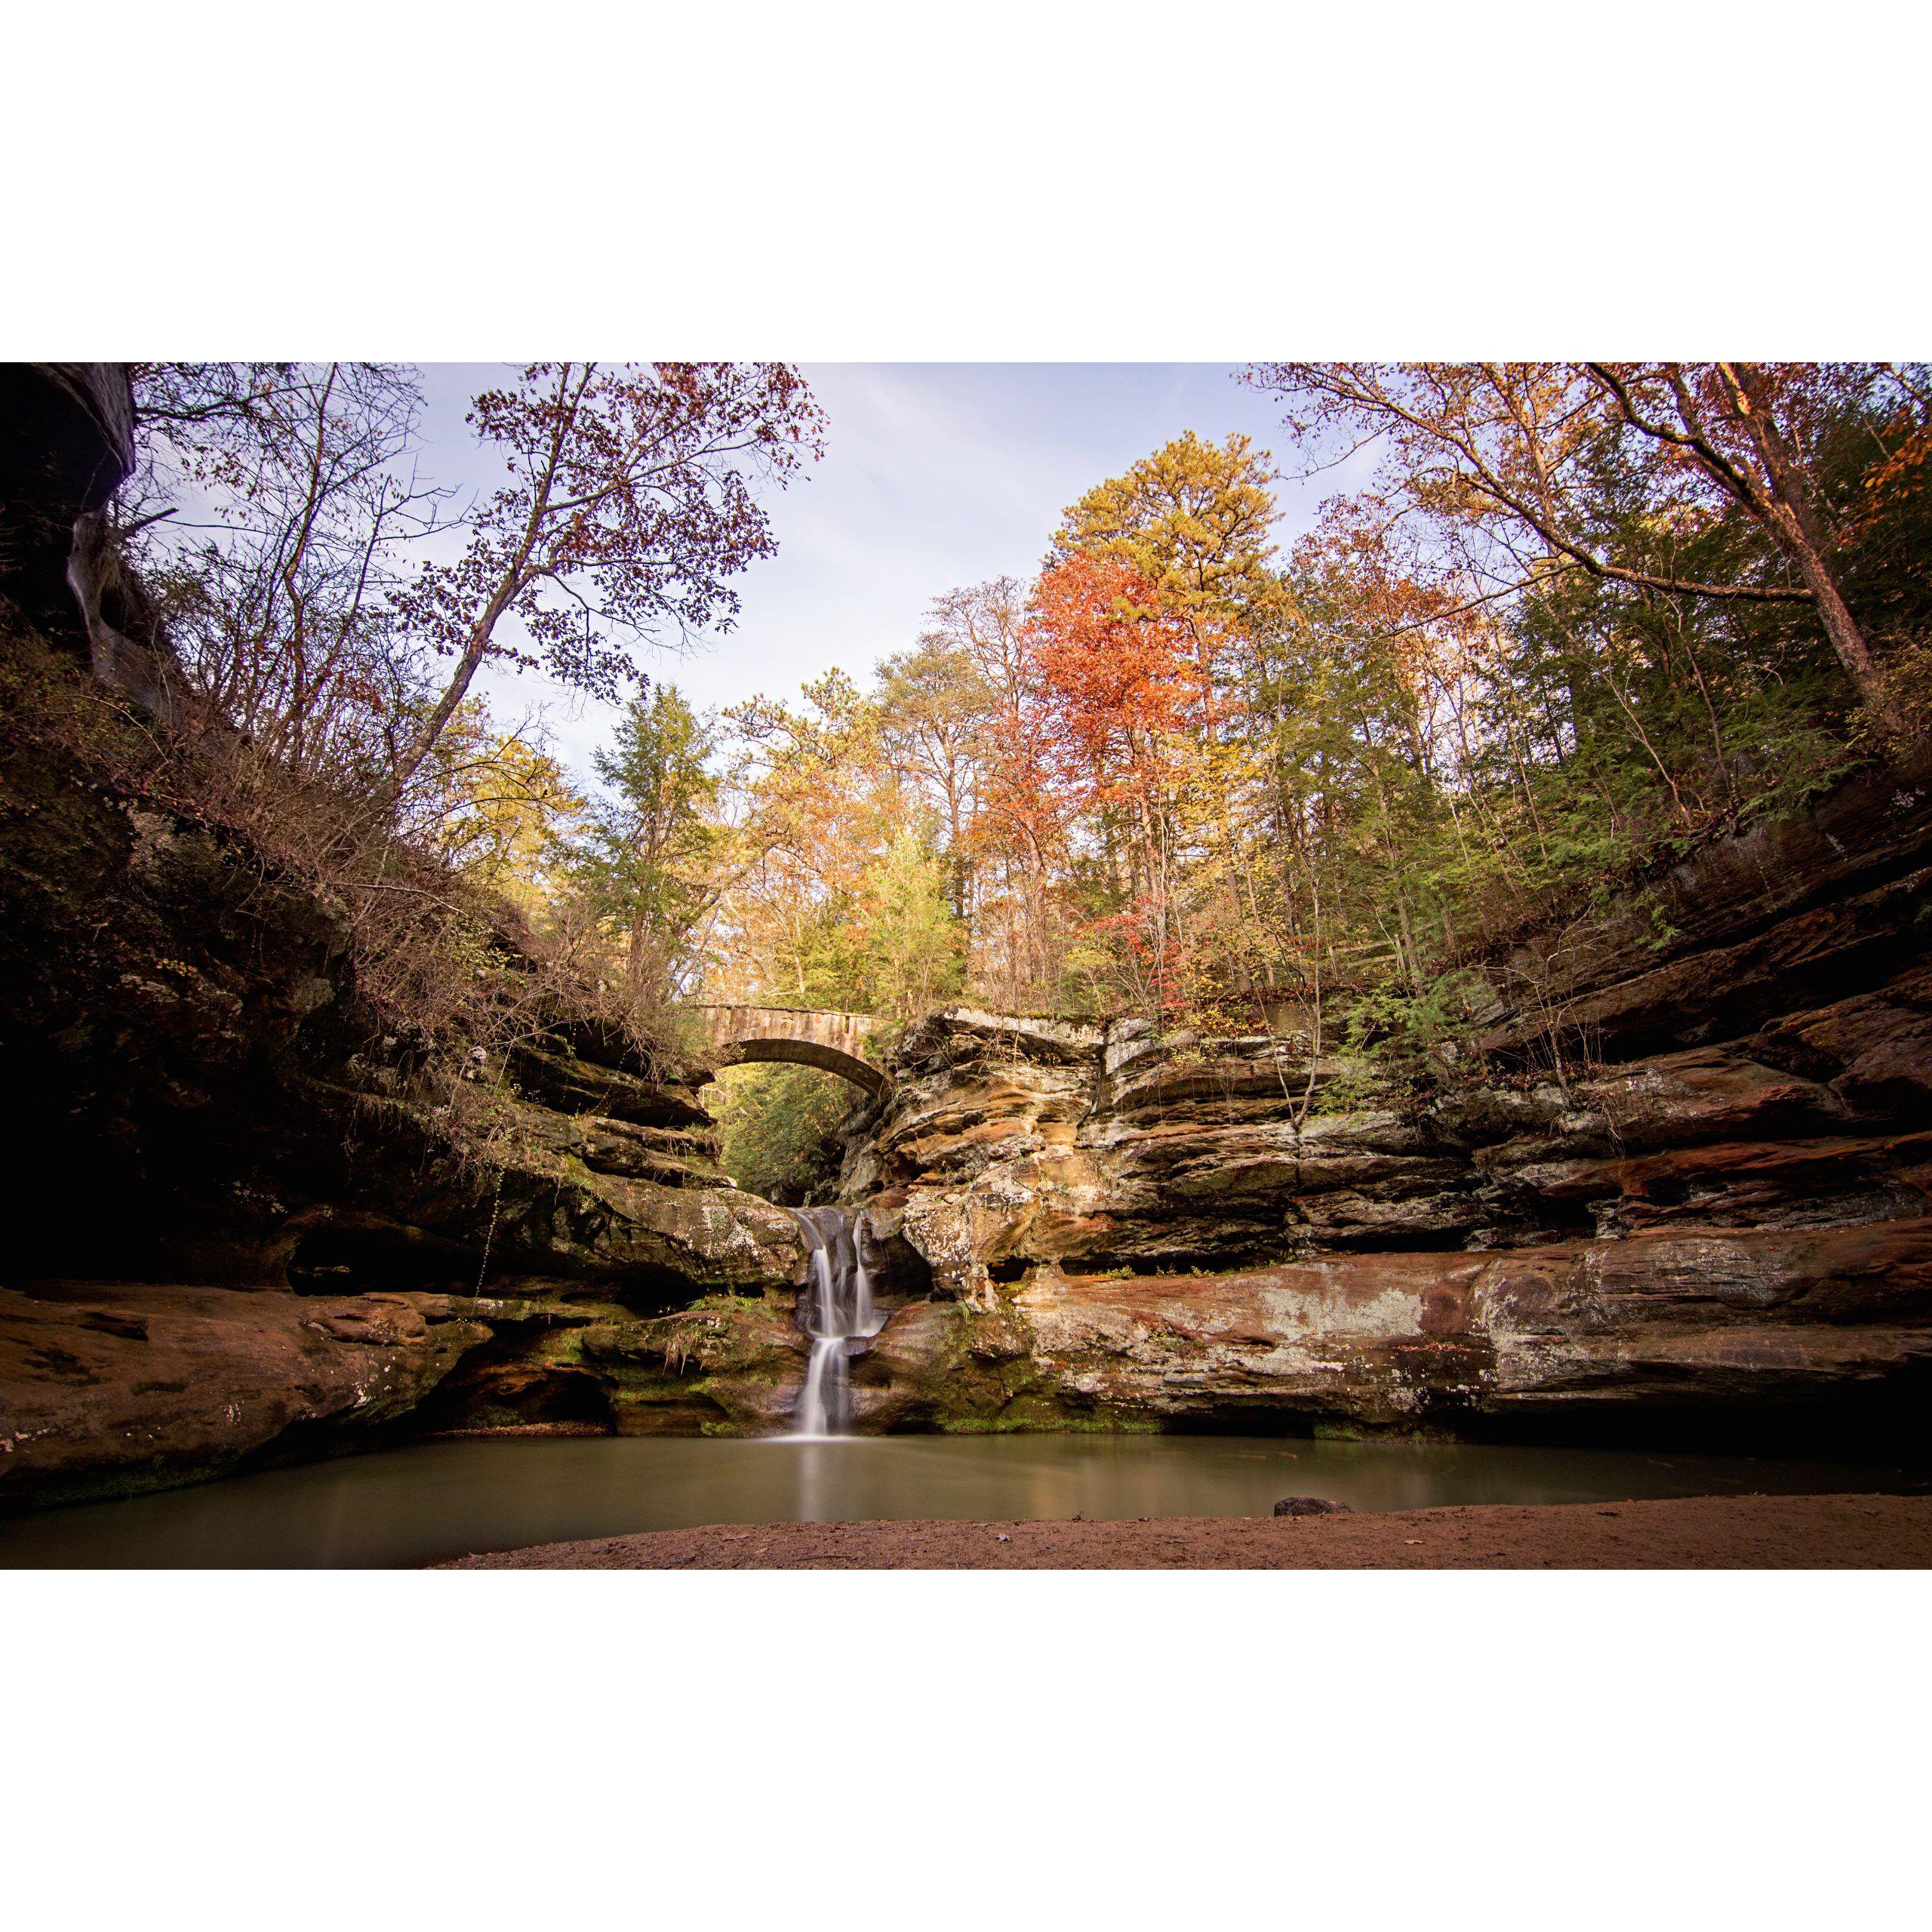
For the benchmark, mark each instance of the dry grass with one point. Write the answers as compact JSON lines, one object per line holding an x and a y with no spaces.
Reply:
{"x":449,"y":975}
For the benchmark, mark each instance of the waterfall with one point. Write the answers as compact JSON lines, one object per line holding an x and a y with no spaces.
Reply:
{"x":838,"y":1310}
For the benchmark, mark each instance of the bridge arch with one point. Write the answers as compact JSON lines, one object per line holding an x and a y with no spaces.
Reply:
{"x":801,"y":1036}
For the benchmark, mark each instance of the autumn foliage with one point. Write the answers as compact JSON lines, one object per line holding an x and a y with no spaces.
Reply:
{"x":1572,"y":617}
{"x":1115,"y":680}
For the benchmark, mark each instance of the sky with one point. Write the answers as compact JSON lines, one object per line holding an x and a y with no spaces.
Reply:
{"x":935,"y":475}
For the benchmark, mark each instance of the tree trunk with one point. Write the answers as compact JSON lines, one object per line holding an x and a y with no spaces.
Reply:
{"x":1847,"y":639}
{"x":635,"y":960}
{"x":411,"y":761}
{"x":1795,"y":523}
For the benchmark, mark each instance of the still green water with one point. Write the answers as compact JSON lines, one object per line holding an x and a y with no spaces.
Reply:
{"x":435,"y":1501}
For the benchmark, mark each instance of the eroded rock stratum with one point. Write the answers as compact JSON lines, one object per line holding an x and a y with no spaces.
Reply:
{"x":1683,"y":1185}
{"x":1711,"y":1225}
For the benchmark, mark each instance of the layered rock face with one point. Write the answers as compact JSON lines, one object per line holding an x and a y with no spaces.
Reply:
{"x":1709,"y":1221}
{"x":112,"y":1389}
{"x":1682,"y":1188}
{"x":200,"y":1093}
{"x":207,"y":1099}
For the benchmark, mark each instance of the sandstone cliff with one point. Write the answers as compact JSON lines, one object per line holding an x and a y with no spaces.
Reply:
{"x":1674,"y":1190}
{"x":1682,"y":1186}
{"x":207,"y":1098}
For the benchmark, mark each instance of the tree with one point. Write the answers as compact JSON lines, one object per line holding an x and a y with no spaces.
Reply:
{"x":815,"y":800}
{"x":497,"y":806}
{"x":1182,"y":777}
{"x":1121,"y":689}
{"x":1538,"y":470}
{"x":1019,"y":831}
{"x":647,"y":861}
{"x":1193,"y":519}
{"x":629,"y":504}
{"x":1011,"y":830}
{"x":1116,"y":673}
{"x":911,"y":934}
{"x":1738,"y":426}
{"x":935,"y":710}
{"x":271,"y":512}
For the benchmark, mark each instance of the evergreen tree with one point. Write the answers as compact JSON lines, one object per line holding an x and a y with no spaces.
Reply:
{"x":648,"y":861}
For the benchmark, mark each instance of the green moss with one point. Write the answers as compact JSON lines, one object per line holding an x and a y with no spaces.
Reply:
{"x":492,"y":1415}
{"x":1036,"y":1423}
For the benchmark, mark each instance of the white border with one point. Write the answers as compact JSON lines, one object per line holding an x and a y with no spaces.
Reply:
{"x":1040,"y":181}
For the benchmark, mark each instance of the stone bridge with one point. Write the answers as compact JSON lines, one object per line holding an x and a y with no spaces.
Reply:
{"x":805,"y":1036}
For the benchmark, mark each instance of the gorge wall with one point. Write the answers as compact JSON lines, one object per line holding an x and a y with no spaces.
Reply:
{"x":244,"y":1216}
{"x":1674,"y":1190}
{"x":249,"y":1214}
{"x":1681,"y":1191}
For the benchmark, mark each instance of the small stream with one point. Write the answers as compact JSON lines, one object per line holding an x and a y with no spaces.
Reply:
{"x":435,"y":1501}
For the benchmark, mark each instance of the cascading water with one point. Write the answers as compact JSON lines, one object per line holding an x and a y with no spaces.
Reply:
{"x":839,"y":1311}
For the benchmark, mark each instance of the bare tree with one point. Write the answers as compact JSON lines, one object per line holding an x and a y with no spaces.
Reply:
{"x":271,"y":510}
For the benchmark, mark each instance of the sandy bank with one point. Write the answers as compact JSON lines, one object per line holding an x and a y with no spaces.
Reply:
{"x":1689,"y":1533}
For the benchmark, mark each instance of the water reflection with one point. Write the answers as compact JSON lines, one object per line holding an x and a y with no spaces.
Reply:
{"x":440,"y":1499}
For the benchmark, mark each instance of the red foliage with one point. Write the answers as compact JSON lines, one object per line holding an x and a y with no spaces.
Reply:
{"x":1116,"y":677}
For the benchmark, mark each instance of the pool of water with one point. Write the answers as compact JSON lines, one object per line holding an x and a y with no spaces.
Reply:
{"x":435,"y":1501}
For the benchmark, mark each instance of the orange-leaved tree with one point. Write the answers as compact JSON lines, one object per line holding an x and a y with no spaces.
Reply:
{"x":1122,"y":691}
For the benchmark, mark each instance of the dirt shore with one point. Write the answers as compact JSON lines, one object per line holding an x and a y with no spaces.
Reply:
{"x":1689,"y":1533}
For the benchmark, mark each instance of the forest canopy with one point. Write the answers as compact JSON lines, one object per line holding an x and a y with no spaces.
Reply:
{"x":1581,"y":616}
{"x":1584,"y":616}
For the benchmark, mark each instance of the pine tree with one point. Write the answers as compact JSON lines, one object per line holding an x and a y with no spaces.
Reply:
{"x":647,"y":864}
